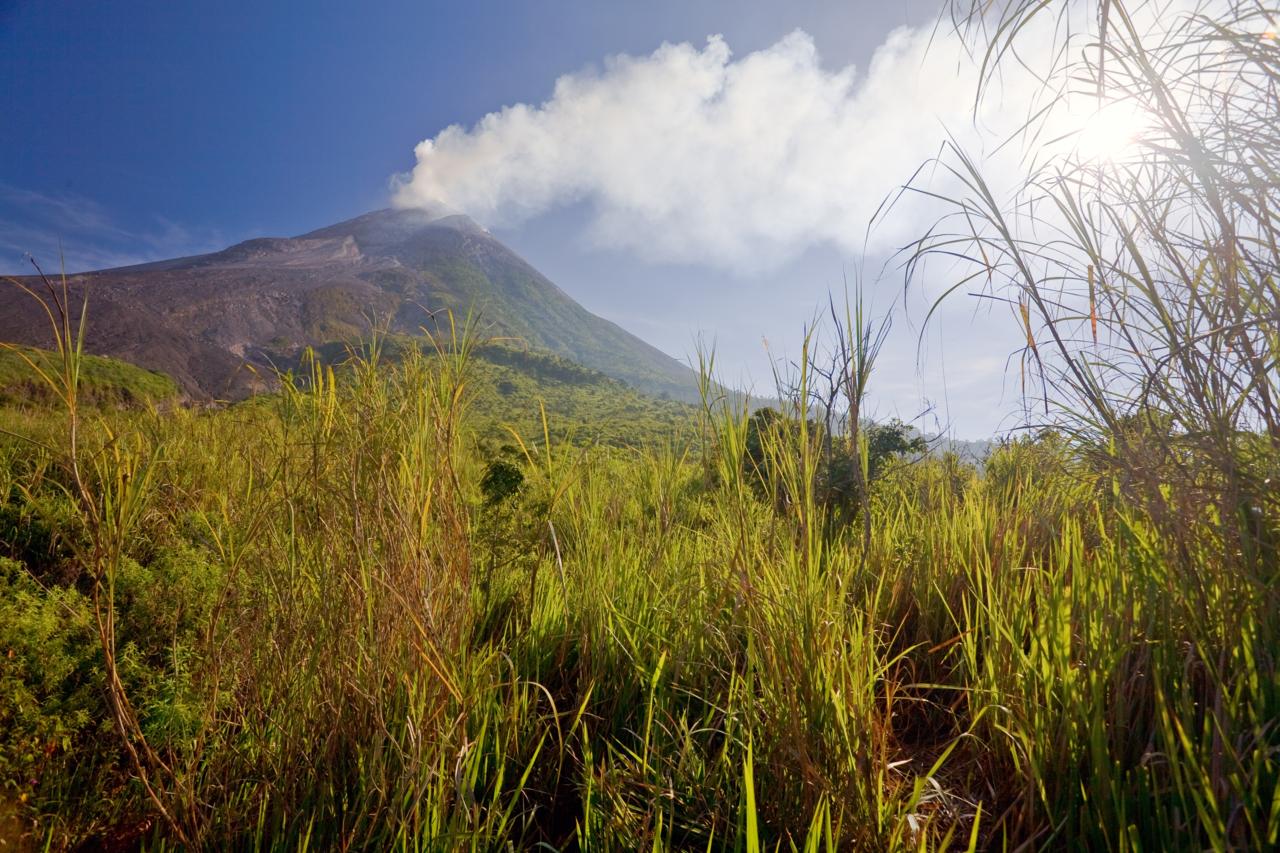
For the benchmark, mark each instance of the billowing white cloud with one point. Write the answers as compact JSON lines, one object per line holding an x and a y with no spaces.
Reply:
{"x":692,"y":155}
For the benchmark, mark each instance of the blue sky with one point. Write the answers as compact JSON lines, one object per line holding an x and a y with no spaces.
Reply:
{"x":143,"y":130}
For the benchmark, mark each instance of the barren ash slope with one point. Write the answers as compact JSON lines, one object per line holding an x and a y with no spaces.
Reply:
{"x":203,"y":319}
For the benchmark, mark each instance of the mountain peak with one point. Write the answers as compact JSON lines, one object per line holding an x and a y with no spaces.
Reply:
{"x":390,"y":226}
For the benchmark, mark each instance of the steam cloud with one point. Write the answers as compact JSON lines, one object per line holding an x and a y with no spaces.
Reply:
{"x":692,"y":155}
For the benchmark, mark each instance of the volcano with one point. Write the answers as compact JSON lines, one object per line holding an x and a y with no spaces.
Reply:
{"x":220,"y":323}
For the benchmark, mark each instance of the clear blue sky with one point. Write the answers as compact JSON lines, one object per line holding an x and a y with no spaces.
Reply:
{"x":140,"y":130}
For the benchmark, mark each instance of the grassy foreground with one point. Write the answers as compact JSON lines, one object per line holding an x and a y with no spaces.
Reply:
{"x":333,"y":620}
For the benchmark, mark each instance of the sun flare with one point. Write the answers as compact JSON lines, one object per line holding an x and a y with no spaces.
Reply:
{"x":1111,"y":133}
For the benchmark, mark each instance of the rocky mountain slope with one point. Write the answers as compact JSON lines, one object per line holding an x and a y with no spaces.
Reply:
{"x":218,"y":323}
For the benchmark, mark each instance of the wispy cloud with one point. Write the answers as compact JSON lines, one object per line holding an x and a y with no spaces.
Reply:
{"x":68,"y":230}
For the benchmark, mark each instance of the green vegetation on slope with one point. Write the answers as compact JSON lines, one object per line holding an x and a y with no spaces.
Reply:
{"x":510,"y":386}
{"x":104,"y":381}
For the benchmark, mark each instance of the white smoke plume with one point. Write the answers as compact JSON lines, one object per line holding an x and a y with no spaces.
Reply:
{"x":693,"y":155}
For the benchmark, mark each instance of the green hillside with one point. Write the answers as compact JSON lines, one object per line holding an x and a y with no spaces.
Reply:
{"x":103,"y":381}
{"x":582,"y":405}
{"x":510,"y":386}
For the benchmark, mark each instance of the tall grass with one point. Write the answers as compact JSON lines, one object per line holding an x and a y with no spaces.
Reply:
{"x":1145,"y":284}
{"x":310,"y":624}
{"x":329,"y":636}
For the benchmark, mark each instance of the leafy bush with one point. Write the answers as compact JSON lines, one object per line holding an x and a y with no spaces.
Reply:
{"x":837,"y":476}
{"x":49,"y":693}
